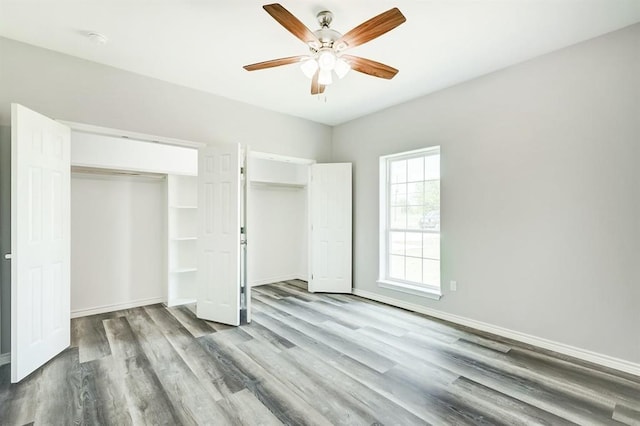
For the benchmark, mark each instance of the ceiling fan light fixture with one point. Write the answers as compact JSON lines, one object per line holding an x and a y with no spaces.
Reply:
{"x":327,"y":45}
{"x":341,"y":68}
{"x":309,"y":67}
{"x":325,"y":78}
{"x":327,"y":59}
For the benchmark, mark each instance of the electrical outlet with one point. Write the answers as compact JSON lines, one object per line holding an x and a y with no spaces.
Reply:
{"x":453,"y":285}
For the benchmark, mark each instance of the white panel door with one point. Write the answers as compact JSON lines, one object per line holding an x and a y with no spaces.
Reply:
{"x":219,"y":198}
{"x":40,"y":235}
{"x":330,"y":241}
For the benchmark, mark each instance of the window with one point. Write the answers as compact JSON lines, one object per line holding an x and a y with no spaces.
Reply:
{"x":410,"y":222}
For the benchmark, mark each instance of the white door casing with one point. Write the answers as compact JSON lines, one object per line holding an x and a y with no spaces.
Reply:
{"x":331,"y":223}
{"x":244,"y":207}
{"x":219,"y":198}
{"x":40,"y":240}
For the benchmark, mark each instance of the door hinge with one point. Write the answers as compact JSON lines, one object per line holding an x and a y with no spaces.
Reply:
{"x":241,"y":170}
{"x":311,"y":277}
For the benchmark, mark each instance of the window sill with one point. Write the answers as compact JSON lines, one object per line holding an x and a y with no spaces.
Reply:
{"x":411,"y":289}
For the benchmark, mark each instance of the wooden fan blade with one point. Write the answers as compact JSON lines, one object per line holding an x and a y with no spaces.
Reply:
{"x":291,"y":23}
{"x":315,"y":86}
{"x":367,"y":66}
{"x":372,"y":28}
{"x":274,"y":63}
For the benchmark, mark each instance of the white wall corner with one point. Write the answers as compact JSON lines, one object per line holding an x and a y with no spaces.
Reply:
{"x":572,"y":351}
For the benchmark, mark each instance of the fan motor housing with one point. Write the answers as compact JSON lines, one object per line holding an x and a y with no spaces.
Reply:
{"x":327,"y":36}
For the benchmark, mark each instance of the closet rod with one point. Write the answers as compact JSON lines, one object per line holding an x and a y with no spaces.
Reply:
{"x":115,"y":172}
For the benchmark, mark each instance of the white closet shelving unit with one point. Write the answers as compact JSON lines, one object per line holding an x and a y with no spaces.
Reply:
{"x":182,"y":199}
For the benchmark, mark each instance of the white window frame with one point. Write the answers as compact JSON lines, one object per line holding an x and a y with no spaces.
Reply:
{"x":417,"y":289}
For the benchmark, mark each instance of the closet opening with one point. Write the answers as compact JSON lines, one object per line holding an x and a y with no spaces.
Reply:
{"x":118,"y":236}
{"x":277,"y":219}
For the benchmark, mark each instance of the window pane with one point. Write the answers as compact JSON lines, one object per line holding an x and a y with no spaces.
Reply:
{"x":431,"y":272}
{"x":399,"y":194}
{"x":412,"y":189}
{"x":432,"y":167}
{"x":414,"y":244}
{"x":398,"y":217}
{"x":415,"y":193}
{"x":414,"y":216}
{"x":399,"y":171}
{"x":396,"y":242}
{"x":396,"y":267}
{"x":430,"y":221}
{"x":414,"y":269}
{"x":431,"y":246}
{"x":432,"y":195}
{"x":415,"y":169}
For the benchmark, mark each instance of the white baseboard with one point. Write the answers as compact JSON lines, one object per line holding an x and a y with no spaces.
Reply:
{"x":277,"y":279}
{"x":116,"y":307}
{"x":5,"y":358}
{"x":583,"y":354}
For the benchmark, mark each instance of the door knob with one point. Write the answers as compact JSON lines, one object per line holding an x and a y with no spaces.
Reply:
{"x":7,"y":256}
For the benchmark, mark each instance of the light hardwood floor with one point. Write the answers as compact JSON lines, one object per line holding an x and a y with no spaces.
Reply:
{"x":308,"y":359}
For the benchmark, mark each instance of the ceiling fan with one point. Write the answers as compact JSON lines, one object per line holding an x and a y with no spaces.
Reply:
{"x":326,"y":46}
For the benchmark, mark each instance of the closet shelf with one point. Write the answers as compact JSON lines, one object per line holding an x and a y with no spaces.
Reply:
{"x":281,"y":184}
{"x":182,"y":270}
{"x":182,"y":231}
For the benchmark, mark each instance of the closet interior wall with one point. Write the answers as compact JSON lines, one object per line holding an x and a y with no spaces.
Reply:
{"x":117,"y":240}
{"x":277,"y":219}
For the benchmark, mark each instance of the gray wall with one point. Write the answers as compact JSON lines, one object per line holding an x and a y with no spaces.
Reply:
{"x":67,"y":88}
{"x":72,"y":89}
{"x":540,"y":193}
{"x":5,"y":238}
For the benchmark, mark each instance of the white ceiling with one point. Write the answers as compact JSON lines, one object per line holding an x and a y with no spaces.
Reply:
{"x":203,"y":44}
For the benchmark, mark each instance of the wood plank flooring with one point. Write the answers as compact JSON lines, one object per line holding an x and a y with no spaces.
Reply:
{"x":308,"y":359}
